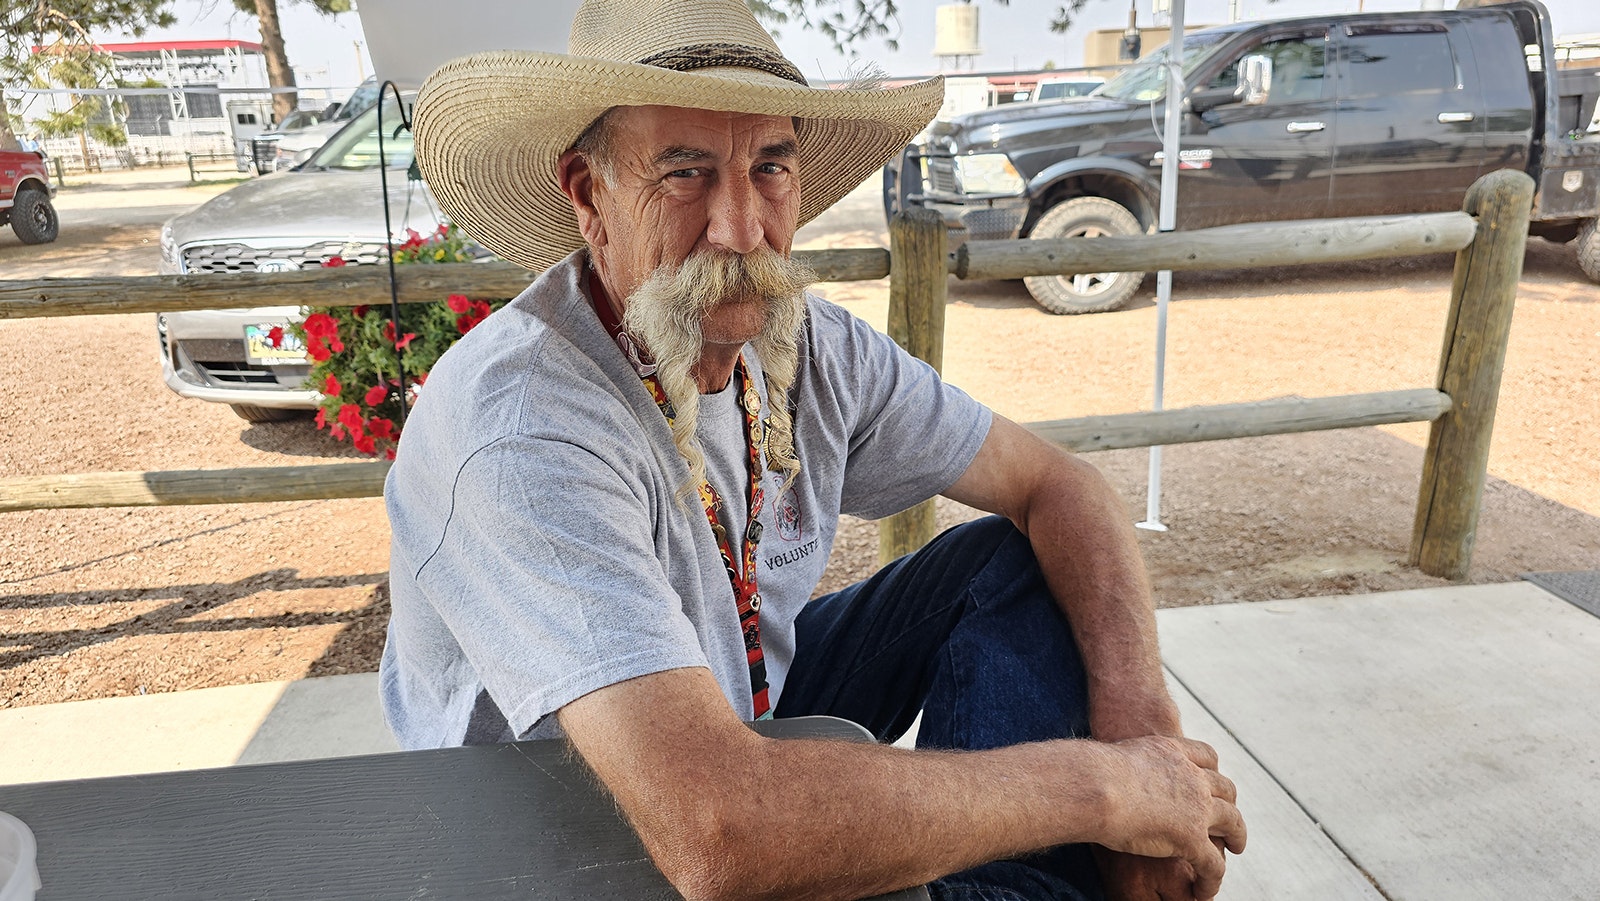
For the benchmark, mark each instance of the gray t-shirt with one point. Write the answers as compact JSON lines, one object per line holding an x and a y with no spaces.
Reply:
{"x":540,"y":548}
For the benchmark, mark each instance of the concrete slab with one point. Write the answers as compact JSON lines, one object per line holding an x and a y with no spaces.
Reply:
{"x":1288,"y":855}
{"x":330,"y":717}
{"x":1446,"y":739}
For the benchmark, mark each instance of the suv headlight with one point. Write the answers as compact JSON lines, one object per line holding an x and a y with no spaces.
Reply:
{"x":988,"y":173}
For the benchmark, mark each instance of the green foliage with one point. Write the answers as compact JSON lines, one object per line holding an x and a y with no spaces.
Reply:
{"x":326,"y":7}
{"x":358,"y":352}
{"x":25,"y":24}
{"x":77,"y":65}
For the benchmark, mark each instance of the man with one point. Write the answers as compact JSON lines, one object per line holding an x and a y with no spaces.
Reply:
{"x":617,"y":494}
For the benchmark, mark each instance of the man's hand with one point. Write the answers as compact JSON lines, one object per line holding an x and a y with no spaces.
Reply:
{"x":1179,"y":818}
{"x":1129,"y":877}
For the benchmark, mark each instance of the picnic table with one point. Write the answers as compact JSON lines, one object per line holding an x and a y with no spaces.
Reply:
{"x":516,"y":820}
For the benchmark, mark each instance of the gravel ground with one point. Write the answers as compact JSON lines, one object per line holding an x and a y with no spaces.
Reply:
{"x":97,"y":603}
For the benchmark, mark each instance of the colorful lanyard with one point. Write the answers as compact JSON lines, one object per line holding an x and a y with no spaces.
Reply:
{"x":746,"y":595}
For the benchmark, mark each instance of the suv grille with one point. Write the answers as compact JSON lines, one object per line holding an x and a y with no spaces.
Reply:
{"x":244,"y":258}
{"x":221,"y":363}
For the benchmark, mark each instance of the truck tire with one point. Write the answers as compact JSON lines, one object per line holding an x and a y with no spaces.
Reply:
{"x":1095,"y":292}
{"x":1589,"y":249}
{"x":33,"y":218}
{"x":253,"y":413}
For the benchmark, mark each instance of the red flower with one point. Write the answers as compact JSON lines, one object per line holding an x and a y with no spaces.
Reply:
{"x":404,"y":340}
{"x":365,"y":444}
{"x":465,"y":323}
{"x":420,"y":378}
{"x":350,"y":418}
{"x":443,"y":228}
{"x":316,"y":349}
{"x":337,"y":345}
{"x":359,"y":311}
{"x":480,"y":308}
{"x":388,"y":453}
{"x":331,"y":386}
{"x":388,"y":330}
{"x":322,"y":418}
{"x":458,"y":303}
{"x":375,"y":395}
{"x":333,"y":262}
{"x":321,"y":325}
{"x":381,"y":428}
{"x":337,"y":432}
{"x":275,"y":335}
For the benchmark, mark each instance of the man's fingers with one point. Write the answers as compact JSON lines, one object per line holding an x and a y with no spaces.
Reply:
{"x":1223,"y":787}
{"x":1200,"y":754}
{"x":1208,"y":869}
{"x":1228,"y":824}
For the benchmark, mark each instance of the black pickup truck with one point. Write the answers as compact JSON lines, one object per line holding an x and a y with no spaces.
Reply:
{"x":1330,"y":116}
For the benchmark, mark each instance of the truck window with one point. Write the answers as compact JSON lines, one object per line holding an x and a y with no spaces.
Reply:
{"x":1298,"y":65}
{"x":1396,"y":61}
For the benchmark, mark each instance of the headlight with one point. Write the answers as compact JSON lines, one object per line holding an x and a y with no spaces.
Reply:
{"x":988,"y":173}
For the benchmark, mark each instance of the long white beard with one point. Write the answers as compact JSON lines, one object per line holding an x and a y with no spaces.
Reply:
{"x":666,"y":313}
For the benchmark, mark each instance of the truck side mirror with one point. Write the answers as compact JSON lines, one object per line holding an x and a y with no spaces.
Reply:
{"x":1255,"y":77}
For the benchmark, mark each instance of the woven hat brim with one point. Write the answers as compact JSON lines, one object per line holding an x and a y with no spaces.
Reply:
{"x":490,"y":127}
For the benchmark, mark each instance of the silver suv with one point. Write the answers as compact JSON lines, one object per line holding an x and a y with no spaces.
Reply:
{"x":330,"y":206}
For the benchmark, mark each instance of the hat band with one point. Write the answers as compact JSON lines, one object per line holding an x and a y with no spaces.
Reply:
{"x":710,"y":56}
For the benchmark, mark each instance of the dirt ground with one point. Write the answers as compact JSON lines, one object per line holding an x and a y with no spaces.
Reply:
{"x":97,"y":603}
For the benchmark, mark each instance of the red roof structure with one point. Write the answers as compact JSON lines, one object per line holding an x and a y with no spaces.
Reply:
{"x":179,"y":46}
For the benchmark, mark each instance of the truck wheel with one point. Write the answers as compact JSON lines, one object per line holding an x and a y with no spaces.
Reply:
{"x":1089,"y":292}
{"x":1589,"y":249}
{"x":33,"y":218}
{"x":253,"y":413}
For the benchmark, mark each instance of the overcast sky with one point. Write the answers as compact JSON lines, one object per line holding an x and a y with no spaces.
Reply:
{"x":324,"y":51}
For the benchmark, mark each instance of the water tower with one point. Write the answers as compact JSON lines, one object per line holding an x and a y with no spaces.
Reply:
{"x":955,"y":35}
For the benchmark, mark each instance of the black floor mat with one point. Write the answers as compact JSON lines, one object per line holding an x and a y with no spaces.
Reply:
{"x":1581,"y":588}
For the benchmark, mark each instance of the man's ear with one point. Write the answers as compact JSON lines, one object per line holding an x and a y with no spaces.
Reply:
{"x":577,"y":181}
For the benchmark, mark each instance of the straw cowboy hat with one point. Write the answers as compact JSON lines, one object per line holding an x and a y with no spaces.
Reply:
{"x":490,"y":127}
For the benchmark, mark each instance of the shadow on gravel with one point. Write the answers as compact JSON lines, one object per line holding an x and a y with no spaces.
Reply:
{"x":298,"y":437}
{"x":359,"y":645}
{"x":178,"y":616}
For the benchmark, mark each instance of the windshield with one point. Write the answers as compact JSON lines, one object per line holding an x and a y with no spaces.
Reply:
{"x":356,"y":145}
{"x":361,"y":100}
{"x":1147,"y":79}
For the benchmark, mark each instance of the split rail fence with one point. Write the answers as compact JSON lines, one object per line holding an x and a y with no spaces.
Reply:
{"x":1488,"y":237}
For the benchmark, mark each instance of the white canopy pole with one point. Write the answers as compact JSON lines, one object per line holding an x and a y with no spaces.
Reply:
{"x":1171,"y":144}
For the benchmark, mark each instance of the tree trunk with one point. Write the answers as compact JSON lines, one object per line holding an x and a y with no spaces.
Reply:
{"x":279,"y":74}
{"x":8,"y":140}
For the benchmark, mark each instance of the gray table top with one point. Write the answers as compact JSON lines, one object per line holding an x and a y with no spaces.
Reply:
{"x":504,"y":821}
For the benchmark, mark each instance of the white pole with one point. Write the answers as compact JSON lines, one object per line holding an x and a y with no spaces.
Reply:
{"x":1171,"y":145}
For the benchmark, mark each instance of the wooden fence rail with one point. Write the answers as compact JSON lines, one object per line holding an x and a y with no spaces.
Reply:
{"x":1488,"y":238}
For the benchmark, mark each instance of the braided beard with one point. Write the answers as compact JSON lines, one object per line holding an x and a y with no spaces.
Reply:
{"x":666,"y":314}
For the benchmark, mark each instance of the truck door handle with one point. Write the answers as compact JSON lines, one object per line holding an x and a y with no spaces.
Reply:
{"x":1299,"y":128}
{"x":1447,"y":118}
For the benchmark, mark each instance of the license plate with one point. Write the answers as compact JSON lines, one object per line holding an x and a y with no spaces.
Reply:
{"x":258,"y":347}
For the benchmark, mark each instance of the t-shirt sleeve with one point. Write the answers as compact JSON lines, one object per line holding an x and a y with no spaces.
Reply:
{"x":911,"y":435}
{"x":550,"y":597}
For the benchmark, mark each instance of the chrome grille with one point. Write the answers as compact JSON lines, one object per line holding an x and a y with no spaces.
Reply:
{"x":220,"y":362}
{"x":244,"y":258}
{"x":941,"y":175}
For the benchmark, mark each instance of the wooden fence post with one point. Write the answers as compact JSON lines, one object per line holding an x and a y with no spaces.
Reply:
{"x":917,"y":292}
{"x":1476,"y":330}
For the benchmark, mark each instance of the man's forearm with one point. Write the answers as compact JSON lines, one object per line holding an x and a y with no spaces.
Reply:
{"x":726,"y":813}
{"x":1089,"y":554}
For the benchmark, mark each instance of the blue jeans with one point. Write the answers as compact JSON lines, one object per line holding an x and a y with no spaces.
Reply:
{"x":966,"y":631}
